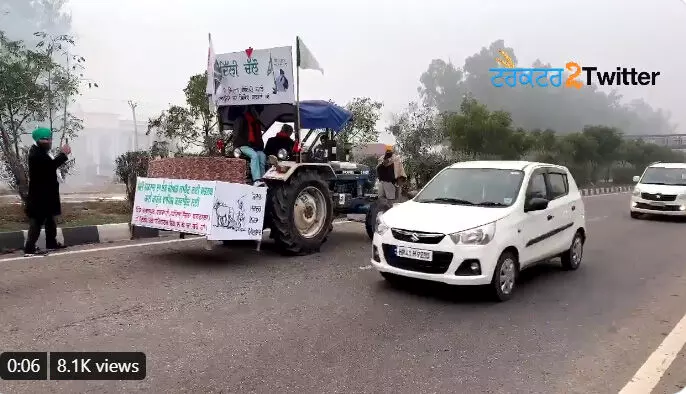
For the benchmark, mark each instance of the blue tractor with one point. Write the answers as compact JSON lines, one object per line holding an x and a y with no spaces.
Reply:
{"x":310,"y":185}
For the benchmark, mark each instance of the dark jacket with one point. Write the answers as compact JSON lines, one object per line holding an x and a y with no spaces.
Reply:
{"x":280,"y":141}
{"x":44,"y":189}
{"x":245,"y":126}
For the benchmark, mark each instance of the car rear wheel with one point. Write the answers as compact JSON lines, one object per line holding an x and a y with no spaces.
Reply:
{"x":505,"y":276}
{"x":571,"y":259}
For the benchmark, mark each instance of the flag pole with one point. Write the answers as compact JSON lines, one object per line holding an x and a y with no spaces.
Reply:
{"x":297,"y":94}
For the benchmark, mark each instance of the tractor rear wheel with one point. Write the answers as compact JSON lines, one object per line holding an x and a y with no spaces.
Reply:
{"x":301,"y":212}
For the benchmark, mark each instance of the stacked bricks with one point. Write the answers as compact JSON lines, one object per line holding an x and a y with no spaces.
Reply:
{"x":223,"y":169}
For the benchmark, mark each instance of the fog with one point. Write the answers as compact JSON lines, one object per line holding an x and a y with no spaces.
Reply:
{"x":146,"y":50}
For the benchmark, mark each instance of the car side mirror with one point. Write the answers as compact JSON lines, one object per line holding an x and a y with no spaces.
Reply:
{"x":536,"y":204}
{"x":636,"y":179}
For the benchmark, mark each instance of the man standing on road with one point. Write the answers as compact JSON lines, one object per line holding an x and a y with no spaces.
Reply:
{"x":44,"y":191}
{"x":391,"y":175}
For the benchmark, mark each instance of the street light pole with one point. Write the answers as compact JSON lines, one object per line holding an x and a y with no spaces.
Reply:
{"x":133,"y":106}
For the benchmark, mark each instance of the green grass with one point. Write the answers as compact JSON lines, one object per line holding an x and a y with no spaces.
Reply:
{"x":73,"y":214}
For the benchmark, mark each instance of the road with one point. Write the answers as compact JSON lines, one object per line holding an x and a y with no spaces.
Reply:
{"x":239,"y":321}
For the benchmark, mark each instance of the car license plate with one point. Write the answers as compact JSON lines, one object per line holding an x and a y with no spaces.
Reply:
{"x":341,"y":199}
{"x":417,"y":254}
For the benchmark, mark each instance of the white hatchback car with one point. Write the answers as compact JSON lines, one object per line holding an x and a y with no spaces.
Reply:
{"x":661,"y":190}
{"x":475,"y":224}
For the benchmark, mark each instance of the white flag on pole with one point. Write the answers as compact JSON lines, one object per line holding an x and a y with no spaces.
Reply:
{"x":210,"y":68}
{"x":306,"y":59}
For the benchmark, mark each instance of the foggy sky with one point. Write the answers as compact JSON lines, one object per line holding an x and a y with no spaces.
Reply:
{"x":146,"y":49}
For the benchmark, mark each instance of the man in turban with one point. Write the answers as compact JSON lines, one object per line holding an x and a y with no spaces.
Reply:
{"x":391,"y":175}
{"x":44,"y":191}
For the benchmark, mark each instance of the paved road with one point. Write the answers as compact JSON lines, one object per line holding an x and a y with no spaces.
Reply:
{"x":233,"y":321}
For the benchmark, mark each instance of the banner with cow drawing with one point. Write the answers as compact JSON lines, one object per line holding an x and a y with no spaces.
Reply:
{"x":237,"y":212}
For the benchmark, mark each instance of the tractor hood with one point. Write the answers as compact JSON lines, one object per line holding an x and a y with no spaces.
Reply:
{"x":346,"y":168}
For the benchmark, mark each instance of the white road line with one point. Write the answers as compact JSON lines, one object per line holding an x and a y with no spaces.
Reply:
{"x":104,"y":248}
{"x":366,"y":267}
{"x":596,"y":218}
{"x":648,"y":376}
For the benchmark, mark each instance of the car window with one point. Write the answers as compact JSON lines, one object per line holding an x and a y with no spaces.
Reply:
{"x":488,"y":187}
{"x":558,"y":185}
{"x":664,"y":176}
{"x":537,"y":186}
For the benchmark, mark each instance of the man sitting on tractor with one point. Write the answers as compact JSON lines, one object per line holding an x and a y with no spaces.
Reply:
{"x":248,"y":138}
{"x":282,"y":140}
{"x":391,"y":175}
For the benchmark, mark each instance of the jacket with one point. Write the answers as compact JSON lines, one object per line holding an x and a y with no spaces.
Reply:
{"x":391,"y":172}
{"x":44,"y":188}
{"x":280,"y":141}
{"x":248,"y":132}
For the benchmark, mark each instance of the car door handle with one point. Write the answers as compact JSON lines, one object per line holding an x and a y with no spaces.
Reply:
{"x":573,"y":207}
{"x":550,"y":217}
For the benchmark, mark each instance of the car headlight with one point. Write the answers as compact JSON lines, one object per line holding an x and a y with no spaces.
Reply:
{"x":381,"y":226}
{"x":636,"y":192}
{"x":282,"y":154}
{"x":476,"y":236}
{"x":237,"y":153}
{"x":681,"y":196}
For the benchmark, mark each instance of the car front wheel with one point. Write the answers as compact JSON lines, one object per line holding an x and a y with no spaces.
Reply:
{"x":505,"y":276}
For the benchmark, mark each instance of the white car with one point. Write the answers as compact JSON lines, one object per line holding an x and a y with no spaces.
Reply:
{"x":481,"y":223}
{"x":661,"y":190}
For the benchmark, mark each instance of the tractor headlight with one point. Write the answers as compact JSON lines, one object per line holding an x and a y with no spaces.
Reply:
{"x":282,"y":154}
{"x":237,"y":153}
{"x":476,"y":236}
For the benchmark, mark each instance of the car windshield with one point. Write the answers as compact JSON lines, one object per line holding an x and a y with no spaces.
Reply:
{"x":664,"y":176}
{"x":486,"y":187}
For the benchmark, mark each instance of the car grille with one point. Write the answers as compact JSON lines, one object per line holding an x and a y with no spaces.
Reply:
{"x":663,"y":197}
{"x":439,"y":264}
{"x":662,"y":208}
{"x":417,"y":236}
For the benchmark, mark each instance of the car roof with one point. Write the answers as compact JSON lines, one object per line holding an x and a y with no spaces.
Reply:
{"x":505,"y":164}
{"x":668,"y":165}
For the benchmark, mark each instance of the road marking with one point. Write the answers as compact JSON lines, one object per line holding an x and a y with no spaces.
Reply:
{"x":366,"y":267}
{"x":596,"y":219}
{"x":648,"y":376}
{"x":105,"y":248}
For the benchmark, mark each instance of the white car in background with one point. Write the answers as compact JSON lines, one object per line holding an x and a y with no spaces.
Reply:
{"x":481,"y":223}
{"x":661,"y":190}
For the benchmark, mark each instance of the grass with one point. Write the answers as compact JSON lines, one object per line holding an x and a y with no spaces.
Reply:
{"x":73,"y":214}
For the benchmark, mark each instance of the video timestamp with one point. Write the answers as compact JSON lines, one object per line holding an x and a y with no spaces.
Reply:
{"x":72,"y":366}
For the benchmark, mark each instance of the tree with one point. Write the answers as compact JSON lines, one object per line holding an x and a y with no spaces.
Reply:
{"x":128,"y":167}
{"x":192,"y":125}
{"x":34,"y":88}
{"x":420,"y":140}
{"x":22,"y":18}
{"x":22,"y":99}
{"x":362,"y":128}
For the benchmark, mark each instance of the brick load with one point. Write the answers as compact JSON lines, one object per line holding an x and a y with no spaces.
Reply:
{"x":223,"y":169}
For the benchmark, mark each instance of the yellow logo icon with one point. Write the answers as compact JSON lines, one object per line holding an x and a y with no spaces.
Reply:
{"x":505,"y":61}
